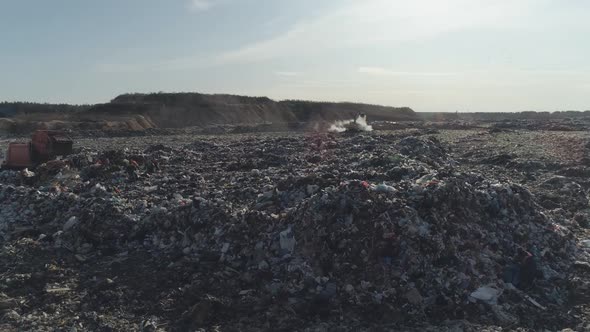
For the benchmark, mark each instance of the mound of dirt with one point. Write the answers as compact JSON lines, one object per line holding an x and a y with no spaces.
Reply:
{"x":6,"y":125}
{"x":138,"y":112}
{"x":177,"y":110}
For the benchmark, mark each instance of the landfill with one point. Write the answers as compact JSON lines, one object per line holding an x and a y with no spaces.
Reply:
{"x":351,"y":231}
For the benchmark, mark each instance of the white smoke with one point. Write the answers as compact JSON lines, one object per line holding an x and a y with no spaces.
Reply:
{"x":358,"y":124}
{"x":338,"y":126}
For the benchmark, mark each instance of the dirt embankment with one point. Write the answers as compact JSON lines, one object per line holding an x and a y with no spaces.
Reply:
{"x":137,"y":112}
{"x":191,"y":109}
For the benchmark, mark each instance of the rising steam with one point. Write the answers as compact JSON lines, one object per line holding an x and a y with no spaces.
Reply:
{"x":358,"y":124}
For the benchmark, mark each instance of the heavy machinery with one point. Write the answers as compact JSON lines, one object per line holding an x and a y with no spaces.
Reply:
{"x":44,"y":146}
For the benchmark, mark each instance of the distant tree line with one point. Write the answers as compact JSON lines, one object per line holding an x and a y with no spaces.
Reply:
{"x":10,"y":109}
{"x":499,"y":116}
{"x":526,"y":115}
{"x":185,"y":99}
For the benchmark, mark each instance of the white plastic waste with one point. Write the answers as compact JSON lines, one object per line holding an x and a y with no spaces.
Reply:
{"x":487,"y":294}
{"x":287,"y":240}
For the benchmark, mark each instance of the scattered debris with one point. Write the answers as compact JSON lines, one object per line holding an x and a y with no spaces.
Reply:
{"x":286,"y":232}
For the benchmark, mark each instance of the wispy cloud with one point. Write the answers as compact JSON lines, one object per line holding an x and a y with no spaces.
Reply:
{"x":287,"y":73}
{"x":396,"y":92}
{"x":358,"y":25}
{"x":113,"y":68}
{"x":321,"y":84}
{"x":198,"y":61}
{"x":202,"y":5}
{"x":380,"y":71}
{"x":383,"y":22}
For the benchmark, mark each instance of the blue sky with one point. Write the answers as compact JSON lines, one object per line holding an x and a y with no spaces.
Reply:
{"x":431,"y":55}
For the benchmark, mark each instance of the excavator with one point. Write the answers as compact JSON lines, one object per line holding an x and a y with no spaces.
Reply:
{"x":44,"y":146}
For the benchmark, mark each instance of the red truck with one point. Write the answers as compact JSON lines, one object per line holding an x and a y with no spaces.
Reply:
{"x":45,"y":145}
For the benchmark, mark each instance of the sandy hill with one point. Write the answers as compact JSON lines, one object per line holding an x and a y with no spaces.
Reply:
{"x":194,"y":109}
{"x":177,"y":110}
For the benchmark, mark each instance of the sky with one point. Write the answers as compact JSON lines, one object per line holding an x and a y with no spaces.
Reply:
{"x":430,"y":55}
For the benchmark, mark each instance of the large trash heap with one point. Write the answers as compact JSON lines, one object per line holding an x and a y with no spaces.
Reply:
{"x":294,"y":232}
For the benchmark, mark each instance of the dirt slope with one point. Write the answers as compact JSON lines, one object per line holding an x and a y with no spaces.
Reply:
{"x":136,"y":112}
{"x":192,"y":109}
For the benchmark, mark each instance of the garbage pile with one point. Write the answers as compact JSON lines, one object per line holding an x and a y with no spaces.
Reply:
{"x":296,"y":232}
